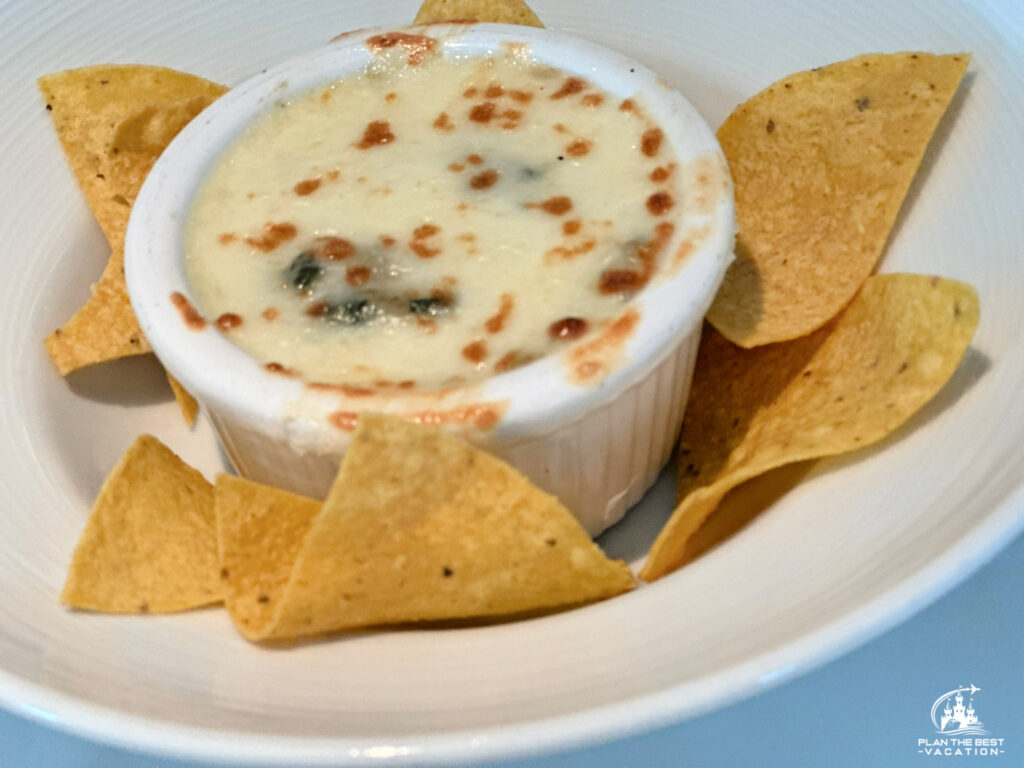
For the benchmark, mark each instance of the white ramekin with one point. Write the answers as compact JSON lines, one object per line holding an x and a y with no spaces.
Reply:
{"x":598,"y":446}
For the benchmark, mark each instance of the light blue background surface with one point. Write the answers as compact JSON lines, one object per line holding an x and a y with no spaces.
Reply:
{"x":868,"y":708}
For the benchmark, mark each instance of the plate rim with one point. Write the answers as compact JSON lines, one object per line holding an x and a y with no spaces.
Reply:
{"x":993,"y":530}
{"x":588,"y":727}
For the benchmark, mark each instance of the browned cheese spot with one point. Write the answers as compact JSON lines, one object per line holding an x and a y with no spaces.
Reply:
{"x":523,"y":97}
{"x":650,"y":142}
{"x":568,"y":252}
{"x":474,"y":159}
{"x":629,"y":280}
{"x":357,"y":276}
{"x":335,"y":248}
{"x":307,"y":187}
{"x":511,"y":118}
{"x":496,"y":322}
{"x":443,"y":123}
{"x":594,"y":357}
{"x":419,"y":235}
{"x":507,"y":362}
{"x":572,"y":85}
{"x":377,"y":133}
{"x":270,"y":314}
{"x":482,"y":416}
{"x":592,"y":100}
{"x":475,"y":351}
{"x":387,"y":240}
{"x":278,"y":368}
{"x":273,"y":236}
{"x":456,"y":167}
{"x":416,"y":46}
{"x":662,"y":173}
{"x":319,"y":309}
{"x":228,"y":320}
{"x":344,"y":420}
{"x":484,"y":179}
{"x":568,"y":328}
{"x":227,"y":238}
{"x":494,"y":91}
{"x":571,"y":227}
{"x":556,"y":206}
{"x":578,"y":148}
{"x":189,"y":314}
{"x":659,"y":203}
{"x":482,"y":113}
{"x":353,"y":391}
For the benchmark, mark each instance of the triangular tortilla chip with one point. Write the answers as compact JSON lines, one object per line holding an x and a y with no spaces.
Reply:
{"x":104,"y":328}
{"x":822,"y":161}
{"x":188,"y":405}
{"x":419,"y":526}
{"x":150,"y":545}
{"x":260,"y":531}
{"x":113,"y":122}
{"x":493,"y":11}
{"x":845,"y":386}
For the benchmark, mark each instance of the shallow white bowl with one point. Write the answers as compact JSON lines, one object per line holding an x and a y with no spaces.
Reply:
{"x":598,"y":447}
{"x":860,"y":544}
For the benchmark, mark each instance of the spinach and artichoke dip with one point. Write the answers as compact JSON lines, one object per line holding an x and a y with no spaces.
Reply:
{"x":431,"y":221}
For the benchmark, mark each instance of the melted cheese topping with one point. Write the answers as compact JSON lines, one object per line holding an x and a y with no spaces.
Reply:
{"x":431,"y":221}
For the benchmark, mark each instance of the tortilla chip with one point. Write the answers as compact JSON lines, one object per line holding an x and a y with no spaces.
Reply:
{"x":104,"y":328}
{"x":419,"y":526}
{"x":845,"y":386}
{"x":822,"y":161}
{"x":741,"y":506}
{"x":113,"y":122}
{"x":188,"y":405}
{"x":494,"y":11}
{"x":260,"y":531}
{"x":150,"y":544}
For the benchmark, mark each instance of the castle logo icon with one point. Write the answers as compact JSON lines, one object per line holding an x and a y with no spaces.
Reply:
{"x":960,"y":733}
{"x":952,"y":718}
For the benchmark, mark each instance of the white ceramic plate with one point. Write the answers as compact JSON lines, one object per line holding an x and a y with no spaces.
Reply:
{"x":856,"y":547}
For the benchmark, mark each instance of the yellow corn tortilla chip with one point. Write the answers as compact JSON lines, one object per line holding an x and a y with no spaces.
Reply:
{"x":493,"y":11}
{"x":419,"y":526}
{"x":260,"y":531}
{"x":843,"y":387}
{"x":188,"y":405}
{"x":741,"y":506}
{"x":104,"y":328}
{"x":113,"y":122}
{"x":150,"y":544}
{"x":822,"y":161}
